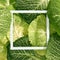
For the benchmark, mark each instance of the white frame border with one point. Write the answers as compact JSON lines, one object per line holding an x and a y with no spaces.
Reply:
{"x":11,"y":29}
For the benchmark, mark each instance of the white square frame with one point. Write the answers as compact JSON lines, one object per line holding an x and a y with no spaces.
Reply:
{"x":12,"y":28}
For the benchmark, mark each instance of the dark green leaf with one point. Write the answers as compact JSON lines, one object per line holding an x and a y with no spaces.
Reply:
{"x":53,"y":49}
{"x":54,"y":14}
{"x":23,"y":54}
{"x":29,"y":17}
{"x":12,"y":1}
{"x":30,"y":5}
{"x":23,"y":41}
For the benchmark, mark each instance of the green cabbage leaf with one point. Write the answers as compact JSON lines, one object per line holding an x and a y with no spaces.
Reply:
{"x":54,"y":14}
{"x":30,"y":5}
{"x":37,"y":31}
{"x":23,"y":54}
{"x":53,"y":48}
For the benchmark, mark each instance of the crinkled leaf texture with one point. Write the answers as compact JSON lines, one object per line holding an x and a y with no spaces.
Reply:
{"x":20,"y":27}
{"x":5,"y":20}
{"x":30,"y":5}
{"x":29,"y":17}
{"x":23,"y":41}
{"x":54,"y":14}
{"x":23,"y":54}
{"x":53,"y":49}
{"x":37,"y":31}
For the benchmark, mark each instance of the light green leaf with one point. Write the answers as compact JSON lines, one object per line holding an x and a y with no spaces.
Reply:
{"x":2,"y":3}
{"x":41,"y":52}
{"x":3,"y":52}
{"x":20,"y":27}
{"x":37,"y":31}
{"x":5,"y":20}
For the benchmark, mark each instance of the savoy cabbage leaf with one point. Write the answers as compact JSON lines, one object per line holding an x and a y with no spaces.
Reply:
{"x":54,"y":14}
{"x":3,"y":52}
{"x":30,"y":5}
{"x":5,"y":20}
{"x":23,"y":54}
{"x":53,"y":48}
{"x":37,"y":31}
{"x":23,"y":41}
{"x":20,"y":27}
{"x":29,"y":17}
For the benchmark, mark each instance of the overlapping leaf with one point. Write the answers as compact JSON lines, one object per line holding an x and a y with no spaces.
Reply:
{"x":5,"y":20}
{"x":20,"y":27}
{"x":54,"y":14}
{"x":53,"y":50}
{"x":30,"y":5}
{"x":37,"y":31}
{"x":23,"y":54}
{"x":3,"y":52}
